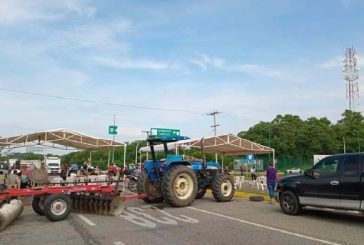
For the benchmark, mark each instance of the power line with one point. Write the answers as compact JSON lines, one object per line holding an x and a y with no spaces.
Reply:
{"x":99,"y":102}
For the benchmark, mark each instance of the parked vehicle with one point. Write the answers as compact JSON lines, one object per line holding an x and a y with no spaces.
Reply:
{"x":178,"y":181}
{"x":334,"y":182}
{"x":53,"y":165}
{"x":294,"y":171}
{"x":132,"y":182}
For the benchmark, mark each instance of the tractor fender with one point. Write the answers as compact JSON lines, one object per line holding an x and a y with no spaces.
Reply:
{"x":184,"y":163}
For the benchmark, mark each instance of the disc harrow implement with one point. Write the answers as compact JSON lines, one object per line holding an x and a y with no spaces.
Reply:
{"x":56,"y":201}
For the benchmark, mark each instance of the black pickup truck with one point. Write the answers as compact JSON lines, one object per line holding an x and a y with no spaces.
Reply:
{"x":336,"y":182}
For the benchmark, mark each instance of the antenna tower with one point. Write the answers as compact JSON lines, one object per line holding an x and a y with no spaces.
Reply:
{"x":351,"y":72}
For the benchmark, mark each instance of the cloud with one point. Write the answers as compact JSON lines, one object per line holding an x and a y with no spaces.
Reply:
{"x":13,"y":12}
{"x":204,"y":61}
{"x":337,"y":62}
{"x":101,"y":36}
{"x":127,"y":63}
{"x":334,"y":62}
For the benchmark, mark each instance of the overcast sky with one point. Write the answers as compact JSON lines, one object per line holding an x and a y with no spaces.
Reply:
{"x":74,"y":64}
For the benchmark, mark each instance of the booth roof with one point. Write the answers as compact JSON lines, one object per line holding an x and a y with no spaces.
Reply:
{"x":227,"y":144}
{"x":63,"y":137}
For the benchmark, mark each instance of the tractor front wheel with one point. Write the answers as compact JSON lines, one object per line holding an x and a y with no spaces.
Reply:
{"x":179,"y":186}
{"x":223,"y":187}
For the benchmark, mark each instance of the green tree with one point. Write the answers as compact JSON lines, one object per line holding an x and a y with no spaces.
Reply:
{"x":350,"y":131}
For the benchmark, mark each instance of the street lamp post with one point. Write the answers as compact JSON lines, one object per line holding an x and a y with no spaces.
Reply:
{"x":136,"y":154}
{"x":269,"y":138}
{"x":147,"y":132}
{"x":357,"y":137}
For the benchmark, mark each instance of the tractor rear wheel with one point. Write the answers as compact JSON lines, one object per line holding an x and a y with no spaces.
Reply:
{"x":223,"y":187}
{"x":179,"y":186}
{"x":153,"y":190}
{"x":57,"y":207}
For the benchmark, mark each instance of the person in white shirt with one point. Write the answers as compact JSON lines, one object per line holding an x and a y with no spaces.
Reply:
{"x":253,"y":173}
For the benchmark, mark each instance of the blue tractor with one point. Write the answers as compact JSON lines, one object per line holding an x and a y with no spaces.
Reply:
{"x":179,"y":182}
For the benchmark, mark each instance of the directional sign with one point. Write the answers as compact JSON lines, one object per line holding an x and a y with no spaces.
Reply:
{"x":164,"y":132}
{"x":112,"y":129}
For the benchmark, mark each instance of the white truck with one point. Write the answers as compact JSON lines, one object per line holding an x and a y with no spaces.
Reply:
{"x":53,"y":165}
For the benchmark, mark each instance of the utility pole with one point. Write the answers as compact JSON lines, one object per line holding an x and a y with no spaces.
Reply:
{"x":357,"y":137}
{"x":214,"y":113}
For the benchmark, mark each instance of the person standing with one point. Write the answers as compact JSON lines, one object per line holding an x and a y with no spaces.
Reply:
{"x":241,"y":170}
{"x":24,"y":177}
{"x":253,"y":173}
{"x":271,"y":174}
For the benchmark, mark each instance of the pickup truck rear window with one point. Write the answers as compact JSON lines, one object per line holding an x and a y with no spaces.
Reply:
{"x":351,"y":166}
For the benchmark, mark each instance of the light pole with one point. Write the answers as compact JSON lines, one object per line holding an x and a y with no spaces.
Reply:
{"x":357,"y":136}
{"x":147,"y":132}
{"x":136,"y":154}
{"x":269,"y":138}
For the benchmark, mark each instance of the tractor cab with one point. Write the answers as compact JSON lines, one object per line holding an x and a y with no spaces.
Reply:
{"x":157,"y":168}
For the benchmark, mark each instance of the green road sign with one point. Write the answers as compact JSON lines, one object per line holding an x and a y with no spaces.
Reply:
{"x":164,"y":132}
{"x":112,"y":129}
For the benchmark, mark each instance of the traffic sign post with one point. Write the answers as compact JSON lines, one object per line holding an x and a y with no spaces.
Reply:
{"x":164,"y":132}
{"x":112,"y":129}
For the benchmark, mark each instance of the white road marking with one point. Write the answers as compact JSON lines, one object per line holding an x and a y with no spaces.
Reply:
{"x":266,"y":227}
{"x":182,"y":217}
{"x":163,"y":220}
{"x":137,"y":220}
{"x":119,"y":243}
{"x":86,"y":220}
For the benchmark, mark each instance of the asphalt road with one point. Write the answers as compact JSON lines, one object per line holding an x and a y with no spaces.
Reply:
{"x":204,"y":222}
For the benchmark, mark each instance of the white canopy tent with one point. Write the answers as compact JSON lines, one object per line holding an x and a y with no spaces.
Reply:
{"x":227,"y":144}
{"x":60,"y":138}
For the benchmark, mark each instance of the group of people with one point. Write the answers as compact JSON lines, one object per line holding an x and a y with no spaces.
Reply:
{"x":22,"y":179}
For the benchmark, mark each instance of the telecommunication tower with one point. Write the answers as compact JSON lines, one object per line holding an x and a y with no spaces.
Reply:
{"x":351,"y":72}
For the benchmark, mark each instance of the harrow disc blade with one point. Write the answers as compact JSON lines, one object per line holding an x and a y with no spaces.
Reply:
{"x":9,"y":212}
{"x":116,"y":206}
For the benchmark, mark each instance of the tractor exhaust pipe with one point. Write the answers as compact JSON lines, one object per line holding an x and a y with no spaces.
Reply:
{"x":9,"y":212}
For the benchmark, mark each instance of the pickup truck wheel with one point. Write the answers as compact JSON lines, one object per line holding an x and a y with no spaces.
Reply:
{"x":289,"y":203}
